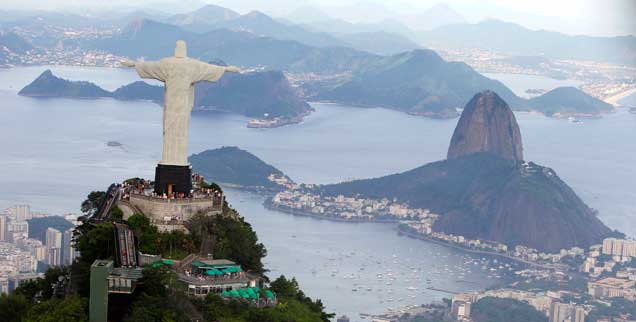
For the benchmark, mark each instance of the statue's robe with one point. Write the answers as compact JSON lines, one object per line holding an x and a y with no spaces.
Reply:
{"x":178,"y":76}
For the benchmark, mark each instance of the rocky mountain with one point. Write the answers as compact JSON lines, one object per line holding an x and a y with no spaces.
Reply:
{"x":484,"y":195}
{"x":569,"y":101}
{"x":49,"y":85}
{"x":514,"y":39}
{"x":436,"y":16}
{"x":154,"y":40}
{"x":261,"y":24}
{"x":236,"y":167}
{"x":487,"y":124}
{"x":419,"y":82}
{"x":250,"y":94}
{"x":202,"y":19}
{"x":379,"y":42}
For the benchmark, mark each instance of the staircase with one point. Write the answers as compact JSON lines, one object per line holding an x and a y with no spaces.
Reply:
{"x":186,"y":262}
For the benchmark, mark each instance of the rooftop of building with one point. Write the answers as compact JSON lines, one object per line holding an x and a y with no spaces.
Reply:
{"x":616,"y":282}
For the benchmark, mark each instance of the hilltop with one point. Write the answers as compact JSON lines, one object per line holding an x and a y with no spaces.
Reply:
{"x":419,"y":82}
{"x":49,"y":85}
{"x":237,"y":168}
{"x":487,"y":125}
{"x":569,"y":101}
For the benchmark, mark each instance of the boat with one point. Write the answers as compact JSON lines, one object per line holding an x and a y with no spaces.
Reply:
{"x":572,"y":119}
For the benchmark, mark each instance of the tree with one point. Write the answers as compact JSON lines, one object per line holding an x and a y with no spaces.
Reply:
{"x":228,"y":236}
{"x":69,"y":310}
{"x":93,"y":201}
{"x":490,"y":309}
{"x":13,"y":307}
{"x":116,"y":213}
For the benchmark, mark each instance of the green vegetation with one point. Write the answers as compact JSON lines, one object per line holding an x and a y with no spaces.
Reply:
{"x":93,"y":201}
{"x":235,"y":166}
{"x":38,"y":226}
{"x":620,"y":307}
{"x":230,"y":237}
{"x":490,"y":309}
{"x":159,"y":297}
{"x":174,"y":244}
{"x":293,"y":306}
{"x":573,"y":284}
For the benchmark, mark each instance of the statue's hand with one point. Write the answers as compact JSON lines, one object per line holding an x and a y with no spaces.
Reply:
{"x":232,"y":69}
{"x":127,"y":63}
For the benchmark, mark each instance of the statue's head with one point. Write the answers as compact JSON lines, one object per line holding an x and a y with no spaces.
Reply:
{"x":181,"y":51}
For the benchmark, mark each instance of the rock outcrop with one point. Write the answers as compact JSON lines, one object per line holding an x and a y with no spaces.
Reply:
{"x":487,"y":125}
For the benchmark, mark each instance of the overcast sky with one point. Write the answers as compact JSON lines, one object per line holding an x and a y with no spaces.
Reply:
{"x":591,"y":17}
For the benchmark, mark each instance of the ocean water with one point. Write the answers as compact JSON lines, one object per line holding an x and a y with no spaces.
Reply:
{"x":54,"y":152}
{"x":519,"y":83}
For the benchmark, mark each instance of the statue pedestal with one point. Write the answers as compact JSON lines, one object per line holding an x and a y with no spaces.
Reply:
{"x":173,"y":178}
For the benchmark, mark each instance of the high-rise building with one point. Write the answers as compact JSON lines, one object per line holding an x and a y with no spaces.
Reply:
{"x":4,"y":228}
{"x":18,"y":230}
{"x":22,"y":213}
{"x":619,"y":247}
{"x":561,"y":312}
{"x":19,"y":212}
{"x":54,"y":256}
{"x":40,"y":253}
{"x":54,"y":247}
{"x":53,"y":238}
{"x":68,"y":251}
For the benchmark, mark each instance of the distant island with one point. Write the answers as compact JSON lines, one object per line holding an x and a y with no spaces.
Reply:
{"x":260,"y":95}
{"x":568,"y":102}
{"x":484,"y":191}
{"x":238,"y":168}
{"x":49,"y":85}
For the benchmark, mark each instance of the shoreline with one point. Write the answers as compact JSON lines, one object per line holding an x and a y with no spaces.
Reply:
{"x":268,"y":205}
{"x":279,"y":122}
{"x":413,"y":235}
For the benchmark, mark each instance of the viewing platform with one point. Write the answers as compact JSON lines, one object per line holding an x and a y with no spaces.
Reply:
{"x":171,"y":213}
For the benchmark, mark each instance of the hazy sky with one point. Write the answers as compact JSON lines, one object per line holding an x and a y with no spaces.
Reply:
{"x":591,"y":17}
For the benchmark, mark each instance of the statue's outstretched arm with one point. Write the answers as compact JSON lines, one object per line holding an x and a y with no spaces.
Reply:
{"x":128,"y":63}
{"x":232,"y":69}
{"x":149,"y":69}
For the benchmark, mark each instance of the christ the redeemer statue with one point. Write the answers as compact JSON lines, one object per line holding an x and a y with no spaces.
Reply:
{"x":179,"y":74}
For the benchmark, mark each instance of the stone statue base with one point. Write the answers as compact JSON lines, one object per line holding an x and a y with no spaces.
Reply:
{"x":173,"y":178}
